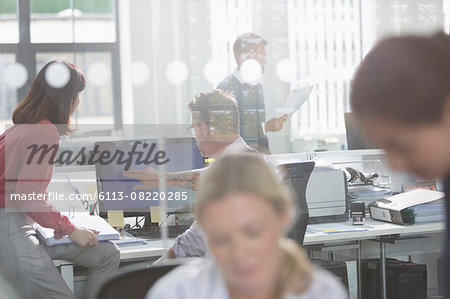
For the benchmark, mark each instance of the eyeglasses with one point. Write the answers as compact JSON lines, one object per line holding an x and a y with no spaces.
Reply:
{"x":191,"y":129}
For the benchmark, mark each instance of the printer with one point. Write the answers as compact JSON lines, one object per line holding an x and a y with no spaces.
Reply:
{"x":326,"y":190}
{"x":327,"y":196}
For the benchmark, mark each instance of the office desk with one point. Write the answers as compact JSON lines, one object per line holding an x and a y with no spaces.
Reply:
{"x":373,"y":228}
{"x":152,"y":249}
{"x":378,"y":231}
{"x":382,"y":232}
{"x":128,"y":253}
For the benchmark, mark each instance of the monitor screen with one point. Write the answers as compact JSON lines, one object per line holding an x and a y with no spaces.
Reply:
{"x":355,"y":138}
{"x":118,"y":192}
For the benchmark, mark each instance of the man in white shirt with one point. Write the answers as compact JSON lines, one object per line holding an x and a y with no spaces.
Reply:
{"x":215,"y":126}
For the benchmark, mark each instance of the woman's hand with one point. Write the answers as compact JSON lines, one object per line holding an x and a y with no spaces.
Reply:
{"x":148,"y":178}
{"x":84,"y":237}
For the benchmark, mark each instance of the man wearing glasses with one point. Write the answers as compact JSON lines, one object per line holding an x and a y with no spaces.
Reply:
{"x":215,"y":126}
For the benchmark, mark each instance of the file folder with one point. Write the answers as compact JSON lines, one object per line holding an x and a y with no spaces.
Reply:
{"x":418,"y":205}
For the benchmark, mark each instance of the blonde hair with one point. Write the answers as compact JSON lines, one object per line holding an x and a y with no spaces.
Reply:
{"x":248,"y":173}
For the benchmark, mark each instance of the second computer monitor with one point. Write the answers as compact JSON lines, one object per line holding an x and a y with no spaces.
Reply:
{"x":119,"y":192}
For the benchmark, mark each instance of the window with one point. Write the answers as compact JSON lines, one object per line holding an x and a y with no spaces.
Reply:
{"x":324,"y":43}
{"x":228,"y":20}
{"x":8,"y":95}
{"x":96,"y":104}
{"x":9,"y":28}
{"x":328,"y":39}
{"x":86,"y":21}
{"x":80,"y":31}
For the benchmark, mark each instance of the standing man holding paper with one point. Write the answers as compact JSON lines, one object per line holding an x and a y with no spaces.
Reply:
{"x":249,"y":95}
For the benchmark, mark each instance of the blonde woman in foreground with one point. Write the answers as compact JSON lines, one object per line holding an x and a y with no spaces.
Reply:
{"x":244,"y":211}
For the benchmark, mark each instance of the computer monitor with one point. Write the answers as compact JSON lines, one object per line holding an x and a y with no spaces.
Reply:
{"x":180,"y":154}
{"x":296,"y":177}
{"x":355,"y":138}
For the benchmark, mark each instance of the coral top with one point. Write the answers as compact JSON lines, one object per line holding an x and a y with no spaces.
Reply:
{"x":19,"y":177}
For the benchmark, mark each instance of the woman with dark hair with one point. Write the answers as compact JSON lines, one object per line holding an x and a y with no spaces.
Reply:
{"x":53,"y":104}
{"x":39,"y":120}
{"x":401,"y":98}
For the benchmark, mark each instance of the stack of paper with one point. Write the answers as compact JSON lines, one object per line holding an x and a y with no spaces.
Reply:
{"x":432,"y":211}
{"x":106,"y":231}
{"x":367,"y":193}
{"x":332,"y":228}
{"x":128,"y":239}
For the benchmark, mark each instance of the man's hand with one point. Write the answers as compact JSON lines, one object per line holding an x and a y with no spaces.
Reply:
{"x":84,"y":237}
{"x":148,"y":178}
{"x":275,"y":124}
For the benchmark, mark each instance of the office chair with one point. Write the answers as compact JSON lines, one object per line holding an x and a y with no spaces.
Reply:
{"x":337,"y":268}
{"x":134,"y":284}
{"x":296,"y":176}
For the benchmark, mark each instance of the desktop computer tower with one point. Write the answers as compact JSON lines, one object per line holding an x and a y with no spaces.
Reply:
{"x":404,"y":280}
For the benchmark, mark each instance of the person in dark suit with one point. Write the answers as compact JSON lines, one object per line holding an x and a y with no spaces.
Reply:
{"x":401,"y":99}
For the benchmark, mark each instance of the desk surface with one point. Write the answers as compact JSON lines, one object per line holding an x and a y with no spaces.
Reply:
{"x":374,"y":229}
{"x":152,"y":248}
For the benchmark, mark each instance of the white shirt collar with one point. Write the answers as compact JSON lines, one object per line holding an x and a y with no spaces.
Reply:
{"x":238,"y":145}
{"x":238,"y":75}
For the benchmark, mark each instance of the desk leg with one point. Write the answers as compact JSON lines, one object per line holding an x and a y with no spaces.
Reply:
{"x":358,"y":269}
{"x":67,"y":275}
{"x":383,"y":269}
{"x":332,"y":256}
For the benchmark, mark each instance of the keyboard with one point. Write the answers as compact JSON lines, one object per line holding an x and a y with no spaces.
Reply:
{"x":154,"y":232}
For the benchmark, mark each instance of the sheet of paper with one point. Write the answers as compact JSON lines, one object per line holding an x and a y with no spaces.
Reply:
{"x":115,"y":218}
{"x":94,"y":222}
{"x":296,"y":98}
{"x":127,"y":239}
{"x":332,"y":228}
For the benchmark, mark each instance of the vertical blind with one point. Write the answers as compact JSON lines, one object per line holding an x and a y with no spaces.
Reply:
{"x":324,"y":41}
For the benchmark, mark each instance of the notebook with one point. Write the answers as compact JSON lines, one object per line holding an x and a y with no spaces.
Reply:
{"x":107,"y":232}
